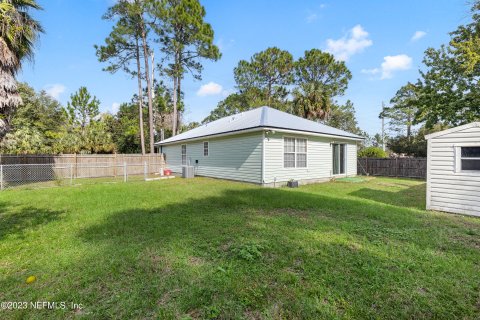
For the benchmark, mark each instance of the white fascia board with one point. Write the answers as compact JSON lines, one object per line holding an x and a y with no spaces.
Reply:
{"x":308,"y":133}
{"x":452,"y":130}
{"x":258,"y":129}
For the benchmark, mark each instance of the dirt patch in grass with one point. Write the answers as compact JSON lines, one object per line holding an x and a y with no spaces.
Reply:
{"x":196,"y":261}
{"x":384,"y":184}
{"x":159,"y":263}
{"x":467,"y":241}
{"x":167,"y":297}
{"x":252,"y":315}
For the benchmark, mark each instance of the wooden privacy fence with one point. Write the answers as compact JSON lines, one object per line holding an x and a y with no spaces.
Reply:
{"x":398,"y":167}
{"x":80,"y":159}
{"x":28,"y":168}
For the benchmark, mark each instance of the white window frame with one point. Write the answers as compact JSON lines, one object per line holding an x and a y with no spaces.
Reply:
{"x":184,"y":163}
{"x":345,"y":163}
{"x":295,"y":152}
{"x":208,"y":148}
{"x":458,"y":159}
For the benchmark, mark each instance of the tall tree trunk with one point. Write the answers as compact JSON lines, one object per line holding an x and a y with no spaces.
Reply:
{"x":269,"y":93}
{"x":140,"y":98}
{"x":409,"y":125}
{"x":149,"y":84}
{"x":9,"y":98}
{"x":179,"y":95}
{"x":175,"y":78}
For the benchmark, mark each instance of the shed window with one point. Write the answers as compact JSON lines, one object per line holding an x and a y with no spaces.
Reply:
{"x":294,"y":153}
{"x":470,"y":158}
{"x":184,"y":154}
{"x":205,"y":149}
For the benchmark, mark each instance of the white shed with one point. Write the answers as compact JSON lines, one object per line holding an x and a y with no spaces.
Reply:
{"x":453,"y":170}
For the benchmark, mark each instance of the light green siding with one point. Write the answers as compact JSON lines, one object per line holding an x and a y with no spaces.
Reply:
{"x":235,"y":157}
{"x":319,"y":158}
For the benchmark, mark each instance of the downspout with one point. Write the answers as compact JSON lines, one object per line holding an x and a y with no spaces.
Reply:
{"x":263,"y":158}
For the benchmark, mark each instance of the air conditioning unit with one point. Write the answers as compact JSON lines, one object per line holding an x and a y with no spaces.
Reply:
{"x":188,"y":172}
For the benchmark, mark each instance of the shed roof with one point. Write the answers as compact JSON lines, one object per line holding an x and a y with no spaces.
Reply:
{"x":452,"y":130}
{"x":259,"y":118}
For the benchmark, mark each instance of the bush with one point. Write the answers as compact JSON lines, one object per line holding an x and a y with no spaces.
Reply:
{"x":372,"y":152}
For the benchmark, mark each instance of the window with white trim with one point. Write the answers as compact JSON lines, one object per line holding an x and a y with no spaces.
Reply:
{"x":205,"y":149}
{"x":184,"y":154}
{"x":470,"y":158}
{"x":301,"y":153}
{"x":294,"y":153}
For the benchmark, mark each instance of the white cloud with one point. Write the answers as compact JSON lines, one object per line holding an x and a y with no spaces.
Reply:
{"x":209,"y":89}
{"x":418,"y":35}
{"x":115,"y":107}
{"x":390,"y":65}
{"x":311,"y":17}
{"x":355,"y":41}
{"x":55,"y":90}
{"x":224,"y":45}
{"x":371,"y":71}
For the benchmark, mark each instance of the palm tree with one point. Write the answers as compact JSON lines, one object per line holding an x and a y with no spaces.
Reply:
{"x":18,"y":35}
{"x":311,"y":102}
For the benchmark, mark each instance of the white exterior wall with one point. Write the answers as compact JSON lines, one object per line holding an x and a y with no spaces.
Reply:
{"x":319,"y":159}
{"x":235,"y":157}
{"x":448,"y":188}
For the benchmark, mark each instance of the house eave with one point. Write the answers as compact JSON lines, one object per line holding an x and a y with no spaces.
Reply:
{"x":259,"y":129}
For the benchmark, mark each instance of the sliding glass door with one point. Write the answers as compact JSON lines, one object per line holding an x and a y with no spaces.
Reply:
{"x":338,"y":158}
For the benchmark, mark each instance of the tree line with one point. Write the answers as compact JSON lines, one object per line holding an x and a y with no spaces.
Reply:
{"x":159,"y":43}
{"x":173,"y":29}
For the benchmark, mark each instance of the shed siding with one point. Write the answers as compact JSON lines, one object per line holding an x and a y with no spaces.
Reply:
{"x":448,"y":190}
{"x":319,"y":158}
{"x":236,"y":157}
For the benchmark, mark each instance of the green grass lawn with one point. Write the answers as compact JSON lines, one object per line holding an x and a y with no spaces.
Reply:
{"x":208,"y":248}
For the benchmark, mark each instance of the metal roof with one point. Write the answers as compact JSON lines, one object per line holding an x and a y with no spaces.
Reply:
{"x":259,"y":118}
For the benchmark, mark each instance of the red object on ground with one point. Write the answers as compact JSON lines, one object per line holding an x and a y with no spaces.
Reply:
{"x":167,"y":172}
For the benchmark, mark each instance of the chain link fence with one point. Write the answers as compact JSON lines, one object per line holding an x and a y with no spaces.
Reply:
{"x":51,"y":175}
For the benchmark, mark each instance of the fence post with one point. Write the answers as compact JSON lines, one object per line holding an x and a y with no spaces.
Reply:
{"x":71,"y":173}
{"x":115,"y":165}
{"x":76,"y":165}
{"x":124,"y":171}
{"x":396,"y":167}
{"x":145,"y":170}
{"x":1,"y":177}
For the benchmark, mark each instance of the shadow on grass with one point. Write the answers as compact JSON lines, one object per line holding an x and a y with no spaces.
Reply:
{"x":17,"y":221}
{"x":411,"y":197}
{"x":280,"y":254}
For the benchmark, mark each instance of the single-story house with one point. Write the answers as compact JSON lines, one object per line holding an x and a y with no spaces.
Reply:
{"x":264,"y":146}
{"x":453,"y":170}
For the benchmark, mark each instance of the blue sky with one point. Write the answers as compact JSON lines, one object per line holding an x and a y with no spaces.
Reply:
{"x":382,"y":43}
